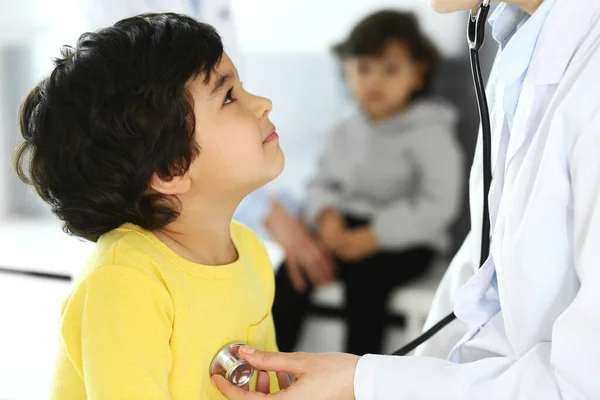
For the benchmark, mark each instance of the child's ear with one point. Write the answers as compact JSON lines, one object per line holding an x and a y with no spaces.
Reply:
{"x":175,"y":185}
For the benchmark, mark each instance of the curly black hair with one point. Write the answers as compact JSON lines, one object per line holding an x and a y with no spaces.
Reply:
{"x":370,"y":36}
{"x":114,"y":111}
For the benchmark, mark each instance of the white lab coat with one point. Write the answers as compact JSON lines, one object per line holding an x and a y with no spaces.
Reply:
{"x":544,"y":343}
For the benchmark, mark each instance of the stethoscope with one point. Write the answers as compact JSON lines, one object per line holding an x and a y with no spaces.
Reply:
{"x":228,"y":363}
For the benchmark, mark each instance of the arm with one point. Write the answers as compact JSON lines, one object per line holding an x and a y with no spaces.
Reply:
{"x":564,"y":368}
{"x":305,"y":257}
{"x":123,"y":318}
{"x":406,"y":222}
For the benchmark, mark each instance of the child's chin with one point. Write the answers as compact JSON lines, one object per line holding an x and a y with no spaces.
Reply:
{"x":277,"y":166}
{"x":273,"y":169}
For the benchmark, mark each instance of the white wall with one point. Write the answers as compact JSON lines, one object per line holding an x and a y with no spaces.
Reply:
{"x":31,"y":34}
{"x":283,"y":26}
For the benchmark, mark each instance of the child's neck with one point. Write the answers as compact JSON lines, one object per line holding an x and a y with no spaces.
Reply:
{"x":202,"y":235}
{"x":377,"y":118}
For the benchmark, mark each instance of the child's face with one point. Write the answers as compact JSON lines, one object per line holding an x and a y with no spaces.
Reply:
{"x":384,"y":84}
{"x":239,"y":149}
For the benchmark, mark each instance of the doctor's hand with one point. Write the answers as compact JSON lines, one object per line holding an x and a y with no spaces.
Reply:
{"x":357,"y":244}
{"x":305,"y":256}
{"x":317,"y":376}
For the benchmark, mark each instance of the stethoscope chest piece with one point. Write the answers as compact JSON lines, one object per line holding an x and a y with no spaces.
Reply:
{"x":229,"y":364}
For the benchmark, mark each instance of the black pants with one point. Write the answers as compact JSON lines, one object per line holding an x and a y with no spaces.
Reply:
{"x":368,"y":284}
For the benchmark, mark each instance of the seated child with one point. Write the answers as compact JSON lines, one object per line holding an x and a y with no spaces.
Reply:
{"x":389,"y":182}
{"x":143,"y":140}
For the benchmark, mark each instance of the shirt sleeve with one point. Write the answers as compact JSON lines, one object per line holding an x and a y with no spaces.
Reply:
{"x":116,"y":329}
{"x":410,"y":221}
{"x":564,"y":368}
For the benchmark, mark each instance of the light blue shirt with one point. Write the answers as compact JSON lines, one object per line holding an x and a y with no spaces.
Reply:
{"x":517,"y":33}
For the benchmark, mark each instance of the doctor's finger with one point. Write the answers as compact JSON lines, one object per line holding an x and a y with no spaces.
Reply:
{"x":233,"y":392}
{"x":293,"y":363}
{"x":263,"y":383}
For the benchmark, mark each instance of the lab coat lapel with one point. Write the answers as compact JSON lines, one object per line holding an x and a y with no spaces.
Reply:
{"x":566,"y":26}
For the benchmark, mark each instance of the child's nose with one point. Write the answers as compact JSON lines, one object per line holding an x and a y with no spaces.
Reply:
{"x":263,"y":106}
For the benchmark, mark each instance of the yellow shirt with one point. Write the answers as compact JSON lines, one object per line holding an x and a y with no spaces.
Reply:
{"x":145,"y":323}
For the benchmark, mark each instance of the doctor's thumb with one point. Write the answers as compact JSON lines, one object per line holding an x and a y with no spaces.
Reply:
{"x":276,"y":362}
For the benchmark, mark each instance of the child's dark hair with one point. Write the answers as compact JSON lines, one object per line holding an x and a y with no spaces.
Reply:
{"x":374,"y":32}
{"x":113,"y":112}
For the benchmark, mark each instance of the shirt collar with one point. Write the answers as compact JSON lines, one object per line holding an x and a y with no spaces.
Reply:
{"x":505,"y":21}
{"x":517,"y":33}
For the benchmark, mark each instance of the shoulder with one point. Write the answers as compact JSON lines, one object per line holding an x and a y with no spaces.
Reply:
{"x":246,"y":239}
{"x":128,"y":251}
{"x":576,"y":97}
{"x":431,"y":124}
{"x":566,"y":72}
{"x":242,"y":233}
{"x":112,"y":286}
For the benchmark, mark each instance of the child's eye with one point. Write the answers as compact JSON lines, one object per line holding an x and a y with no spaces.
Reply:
{"x":229,"y":97}
{"x":363,"y":68}
{"x":391,"y":69}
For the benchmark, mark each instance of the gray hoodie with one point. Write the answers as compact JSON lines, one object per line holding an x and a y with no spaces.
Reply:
{"x":404,"y":174}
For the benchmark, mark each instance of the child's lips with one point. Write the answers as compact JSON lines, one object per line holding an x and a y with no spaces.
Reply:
{"x":374,"y":97}
{"x":271,"y":137}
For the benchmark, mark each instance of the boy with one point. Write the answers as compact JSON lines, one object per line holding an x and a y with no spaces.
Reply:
{"x":143,"y":140}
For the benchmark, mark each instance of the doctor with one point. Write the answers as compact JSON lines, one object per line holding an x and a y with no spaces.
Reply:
{"x":531,"y":314}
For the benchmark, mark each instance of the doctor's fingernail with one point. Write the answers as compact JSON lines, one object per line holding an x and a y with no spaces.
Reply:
{"x":247,"y":350}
